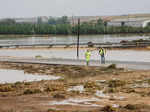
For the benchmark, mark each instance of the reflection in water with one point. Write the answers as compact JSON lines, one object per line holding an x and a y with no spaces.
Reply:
{"x":12,"y":76}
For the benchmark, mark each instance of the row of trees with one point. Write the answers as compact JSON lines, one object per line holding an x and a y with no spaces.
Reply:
{"x":35,"y":29}
{"x":62,"y":26}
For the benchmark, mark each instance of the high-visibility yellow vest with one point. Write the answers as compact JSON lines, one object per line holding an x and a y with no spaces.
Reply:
{"x":87,"y":55}
{"x":102,"y":51}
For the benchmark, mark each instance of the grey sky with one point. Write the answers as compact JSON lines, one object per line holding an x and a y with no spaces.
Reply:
{"x":30,"y":8}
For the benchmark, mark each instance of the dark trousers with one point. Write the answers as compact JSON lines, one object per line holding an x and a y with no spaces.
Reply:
{"x":102,"y":59}
{"x":87,"y":63}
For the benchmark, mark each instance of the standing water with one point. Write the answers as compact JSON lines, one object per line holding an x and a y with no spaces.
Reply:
{"x":12,"y":76}
{"x":68,"y":39}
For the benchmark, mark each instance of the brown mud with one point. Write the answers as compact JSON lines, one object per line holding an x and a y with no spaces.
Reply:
{"x":100,"y":89}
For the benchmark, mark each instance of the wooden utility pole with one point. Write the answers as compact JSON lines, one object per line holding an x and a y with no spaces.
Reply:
{"x":78,"y":39}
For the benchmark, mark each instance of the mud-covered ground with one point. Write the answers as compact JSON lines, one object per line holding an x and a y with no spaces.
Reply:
{"x":81,"y":89}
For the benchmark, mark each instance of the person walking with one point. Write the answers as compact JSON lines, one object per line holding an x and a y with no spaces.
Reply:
{"x":87,"y":57}
{"x":102,"y":53}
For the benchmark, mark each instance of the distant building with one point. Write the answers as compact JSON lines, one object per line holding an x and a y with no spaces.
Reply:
{"x":134,"y":22}
{"x":26,"y":20}
{"x":33,"y":20}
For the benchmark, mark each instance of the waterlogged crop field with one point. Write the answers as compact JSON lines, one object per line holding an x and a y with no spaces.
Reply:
{"x":79,"y":89}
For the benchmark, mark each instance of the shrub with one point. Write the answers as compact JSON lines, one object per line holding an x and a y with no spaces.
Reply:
{"x":32,"y":91}
{"x":18,"y":83}
{"x":6,"y":88}
{"x":90,"y":44}
{"x":108,"y":108}
{"x":112,"y":66}
{"x":55,"y":87}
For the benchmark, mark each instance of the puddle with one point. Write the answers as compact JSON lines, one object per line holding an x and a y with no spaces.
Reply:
{"x":101,"y":81}
{"x":101,"y":94}
{"x":93,"y":102}
{"x":77,"y":88}
{"x":115,"y":105}
{"x":12,"y":76}
{"x":143,"y":85}
{"x":77,"y":102}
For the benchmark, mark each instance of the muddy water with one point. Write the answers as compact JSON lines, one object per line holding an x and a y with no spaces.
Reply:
{"x":69,"y":39}
{"x":12,"y":76}
{"x":117,"y":55}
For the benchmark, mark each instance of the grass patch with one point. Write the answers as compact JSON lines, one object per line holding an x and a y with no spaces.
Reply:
{"x":55,"y":87}
{"x":116,"y":83}
{"x":91,"y":87}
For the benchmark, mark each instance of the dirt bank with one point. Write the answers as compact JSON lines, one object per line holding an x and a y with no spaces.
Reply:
{"x":81,"y":89}
{"x":74,"y":47}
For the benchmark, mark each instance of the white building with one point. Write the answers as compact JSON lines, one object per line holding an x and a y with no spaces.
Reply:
{"x":134,"y":22}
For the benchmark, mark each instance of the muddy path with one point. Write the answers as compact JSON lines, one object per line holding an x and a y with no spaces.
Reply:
{"x":81,"y":89}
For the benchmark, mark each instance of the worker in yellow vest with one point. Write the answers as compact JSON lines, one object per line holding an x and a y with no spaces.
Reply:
{"x":102,"y":53}
{"x":87,"y":57}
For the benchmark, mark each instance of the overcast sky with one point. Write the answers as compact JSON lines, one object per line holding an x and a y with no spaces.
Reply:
{"x":31,"y":8}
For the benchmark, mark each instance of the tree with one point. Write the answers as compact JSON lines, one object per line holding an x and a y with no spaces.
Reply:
{"x":100,"y":22}
{"x":7,"y":21}
{"x":122,"y":23}
{"x":52,"y":21}
{"x":39,"y":20}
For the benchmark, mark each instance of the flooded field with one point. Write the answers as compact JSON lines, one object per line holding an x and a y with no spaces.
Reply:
{"x":16,"y":39}
{"x":72,"y":88}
